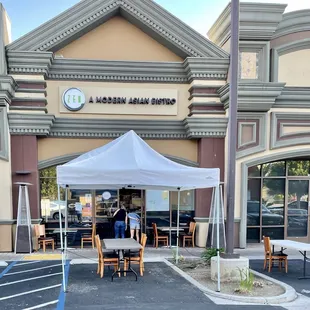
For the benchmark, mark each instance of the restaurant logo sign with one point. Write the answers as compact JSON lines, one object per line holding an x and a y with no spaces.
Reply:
{"x":118,"y":101}
{"x":73,"y":99}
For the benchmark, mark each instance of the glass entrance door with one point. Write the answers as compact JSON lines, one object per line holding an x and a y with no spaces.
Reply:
{"x":297,"y":211}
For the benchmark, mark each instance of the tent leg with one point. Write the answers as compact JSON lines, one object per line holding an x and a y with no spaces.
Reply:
{"x":61,"y":245}
{"x":217,"y":205}
{"x":66,"y":223}
{"x":178,"y":226}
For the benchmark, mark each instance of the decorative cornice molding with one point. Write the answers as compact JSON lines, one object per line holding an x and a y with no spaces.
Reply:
{"x":201,"y":127}
{"x":206,"y":108}
{"x":48,"y":125}
{"x":30,"y":62}
{"x":294,"y":97}
{"x":147,"y":15}
{"x":122,"y":71}
{"x":206,"y":68}
{"x":285,"y":49}
{"x":75,"y":69}
{"x":30,"y":124}
{"x":107,"y":128}
{"x":293,"y":22}
{"x":257,"y":20}
{"x":59,"y":160}
{"x":256,"y":97}
{"x":8,"y":87}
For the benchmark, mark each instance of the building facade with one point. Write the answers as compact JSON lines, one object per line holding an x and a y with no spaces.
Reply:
{"x":105,"y":67}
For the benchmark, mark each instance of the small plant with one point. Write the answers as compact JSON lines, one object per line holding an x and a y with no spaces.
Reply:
{"x":246,"y":281}
{"x":174,"y":257}
{"x":207,"y":254}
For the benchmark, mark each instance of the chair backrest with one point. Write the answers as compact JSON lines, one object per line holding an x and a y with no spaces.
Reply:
{"x":192,"y":227}
{"x":99,"y":248}
{"x":93,"y":233}
{"x":42,"y":230}
{"x":267,"y":245}
{"x":37,"y":230}
{"x":154,"y":225}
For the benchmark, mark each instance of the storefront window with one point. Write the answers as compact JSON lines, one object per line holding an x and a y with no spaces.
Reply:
{"x":278,"y":200}
{"x":106,"y":202}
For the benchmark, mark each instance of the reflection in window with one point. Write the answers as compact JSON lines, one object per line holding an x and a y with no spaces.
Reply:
{"x":273,"y":201}
{"x":298,"y":167}
{"x":274,"y":169}
{"x":254,"y":171}
{"x":106,"y":202}
{"x":253,"y":202}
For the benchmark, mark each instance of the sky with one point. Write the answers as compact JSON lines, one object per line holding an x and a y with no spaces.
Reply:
{"x":25,"y":15}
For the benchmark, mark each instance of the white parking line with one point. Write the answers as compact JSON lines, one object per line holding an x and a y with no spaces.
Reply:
{"x":30,"y":292}
{"x":30,"y":279}
{"x":42,"y":305}
{"x":22,"y":264}
{"x":29,"y":270}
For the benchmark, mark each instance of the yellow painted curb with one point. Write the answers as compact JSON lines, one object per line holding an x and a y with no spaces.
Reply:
{"x":42,"y":257}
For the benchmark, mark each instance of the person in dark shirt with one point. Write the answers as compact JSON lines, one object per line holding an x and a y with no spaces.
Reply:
{"x":120,"y":218}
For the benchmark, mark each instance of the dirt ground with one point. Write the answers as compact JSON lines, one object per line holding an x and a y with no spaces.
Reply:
{"x":201,"y":272}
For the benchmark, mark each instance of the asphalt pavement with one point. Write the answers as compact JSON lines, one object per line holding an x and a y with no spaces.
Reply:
{"x":37,"y":285}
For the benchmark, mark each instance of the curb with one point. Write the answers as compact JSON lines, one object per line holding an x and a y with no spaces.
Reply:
{"x":289,"y":295}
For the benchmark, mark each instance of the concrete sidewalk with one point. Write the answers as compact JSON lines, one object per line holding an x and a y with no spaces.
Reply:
{"x":253,"y":251}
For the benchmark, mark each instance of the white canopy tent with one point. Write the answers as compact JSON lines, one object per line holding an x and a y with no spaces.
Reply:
{"x":129,"y":162}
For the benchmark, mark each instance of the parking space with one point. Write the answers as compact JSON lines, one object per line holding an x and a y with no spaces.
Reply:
{"x":295,"y":270}
{"x":30,"y":285}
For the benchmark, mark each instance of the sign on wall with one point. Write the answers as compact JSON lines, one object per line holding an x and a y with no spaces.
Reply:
{"x":135,"y":101}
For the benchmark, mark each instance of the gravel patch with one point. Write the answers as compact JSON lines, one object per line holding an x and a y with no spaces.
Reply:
{"x":201,"y":272}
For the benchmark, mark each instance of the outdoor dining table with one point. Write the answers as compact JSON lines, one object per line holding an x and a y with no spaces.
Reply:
{"x":125,"y":244}
{"x":170,"y":229}
{"x":301,"y":247}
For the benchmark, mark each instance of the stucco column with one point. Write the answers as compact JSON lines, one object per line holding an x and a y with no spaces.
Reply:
{"x":24,"y":158}
{"x":211,"y":154}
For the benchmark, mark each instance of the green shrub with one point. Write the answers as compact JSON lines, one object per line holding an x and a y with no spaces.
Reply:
{"x":246,"y":281}
{"x":207,"y":254}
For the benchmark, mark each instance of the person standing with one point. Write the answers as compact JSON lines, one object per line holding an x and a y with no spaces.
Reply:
{"x":134,"y":223}
{"x":120,"y":218}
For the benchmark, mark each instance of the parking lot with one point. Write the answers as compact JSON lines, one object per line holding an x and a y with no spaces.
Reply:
{"x":30,"y":285}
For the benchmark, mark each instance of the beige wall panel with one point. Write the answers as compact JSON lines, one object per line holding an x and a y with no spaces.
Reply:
{"x":287,"y":129}
{"x":5,"y":191}
{"x":294,"y":68}
{"x":117,"y":39}
{"x":6,"y":238}
{"x":53,"y":147}
{"x":53,"y":98}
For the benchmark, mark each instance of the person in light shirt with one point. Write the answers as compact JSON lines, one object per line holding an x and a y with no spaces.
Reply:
{"x":134,"y":223}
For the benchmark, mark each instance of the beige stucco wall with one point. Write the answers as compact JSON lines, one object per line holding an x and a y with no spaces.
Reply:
{"x":294,"y":68}
{"x":117,"y":39}
{"x":54,"y":98}
{"x":53,"y":147}
{"x":5,"y":190}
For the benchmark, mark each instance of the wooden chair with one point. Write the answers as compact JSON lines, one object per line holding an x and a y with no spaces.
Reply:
{"x":271,"y":257}
{"x":87,"y":238}
{"x":136,"y":258}
{"x":110,"y":259}
{"x":190,"y":236}
{"x":42,"y":239}
{"x":158,"y":238}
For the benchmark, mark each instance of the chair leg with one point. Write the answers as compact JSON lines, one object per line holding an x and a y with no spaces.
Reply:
{"x":193,"y":241}
{"x":98,"y":267}
{"x":141,"y":268}
{"x":82,"y":243}
{"x":53,"y":246}
{"x":286,"y":265}
{"x":101,"y":269}
{"x":125,"y":267}
{"x":44,"y":246}
{"x":270,"y":264}
{"x":265,"y":263}
{"x":156,"y":243}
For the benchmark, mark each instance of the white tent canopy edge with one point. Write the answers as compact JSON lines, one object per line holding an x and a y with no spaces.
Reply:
{"x":129,"y":162}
